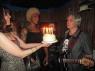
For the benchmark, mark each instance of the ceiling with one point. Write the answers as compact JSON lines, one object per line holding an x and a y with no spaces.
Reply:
{"x":43,"y":4}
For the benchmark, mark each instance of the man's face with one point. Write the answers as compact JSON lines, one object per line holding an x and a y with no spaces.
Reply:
{"x":71,"y":22}
{"x":35,"y":18}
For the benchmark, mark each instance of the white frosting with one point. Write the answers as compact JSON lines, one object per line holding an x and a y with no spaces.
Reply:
{"x":49,"y":38}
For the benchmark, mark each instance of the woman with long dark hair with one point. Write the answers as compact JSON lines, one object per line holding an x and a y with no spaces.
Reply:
{"x":12,"y":48}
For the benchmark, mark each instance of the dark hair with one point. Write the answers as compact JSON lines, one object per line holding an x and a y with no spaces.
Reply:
{"x":4,"y":11}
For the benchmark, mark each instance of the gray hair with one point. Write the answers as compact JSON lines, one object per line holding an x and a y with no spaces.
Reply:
{"x":77,"y":19}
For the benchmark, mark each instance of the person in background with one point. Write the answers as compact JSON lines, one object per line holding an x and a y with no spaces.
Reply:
{"x":76,"y":46}
{"x":32,"y":33}
{"x":23,"y":33}
{"x":12,"y":48}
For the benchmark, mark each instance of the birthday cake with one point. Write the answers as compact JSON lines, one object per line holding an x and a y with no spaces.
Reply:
{"x":49,"y":36}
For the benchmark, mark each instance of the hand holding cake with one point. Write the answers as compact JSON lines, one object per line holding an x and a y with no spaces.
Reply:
{"x":46,"y":44}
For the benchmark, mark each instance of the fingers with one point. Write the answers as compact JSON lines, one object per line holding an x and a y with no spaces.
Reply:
{"x":33,"y":60}
{"x":87,"y":62}
{"x":45,"y":62}
{"x":46,"y":44}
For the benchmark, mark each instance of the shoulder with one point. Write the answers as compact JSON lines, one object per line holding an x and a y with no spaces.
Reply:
{"x":2,"y":37}
{"x":1,"y":34}
{"x":85,"y":36}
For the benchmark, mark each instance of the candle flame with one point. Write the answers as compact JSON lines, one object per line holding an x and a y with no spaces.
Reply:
{"x":48,"y":30}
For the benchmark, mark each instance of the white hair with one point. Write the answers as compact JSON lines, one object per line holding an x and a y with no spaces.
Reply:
{"x":77,"y":19}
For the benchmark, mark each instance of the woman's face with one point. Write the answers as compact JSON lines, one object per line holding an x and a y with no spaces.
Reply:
{"x":35,"y":18}
{"x":71,"y":22}
{"x":7,"y":18}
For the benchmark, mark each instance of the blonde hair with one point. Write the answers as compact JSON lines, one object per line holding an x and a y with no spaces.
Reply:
{"x":30,"y":12}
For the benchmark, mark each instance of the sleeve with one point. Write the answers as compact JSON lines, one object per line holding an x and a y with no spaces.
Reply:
{"x":87,"y":45}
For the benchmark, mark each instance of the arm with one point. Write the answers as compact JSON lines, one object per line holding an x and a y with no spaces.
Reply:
{"x":87,"y":46}
{"x":46,"y":55}
{"x":88,"y":51}
{"x":23,"y":34}
{"x":13,"y":49}
{"x":24,"y":45}
{"x":46,"y":51}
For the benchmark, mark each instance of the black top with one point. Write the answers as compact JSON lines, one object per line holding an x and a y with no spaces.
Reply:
{"x":34,"y":37}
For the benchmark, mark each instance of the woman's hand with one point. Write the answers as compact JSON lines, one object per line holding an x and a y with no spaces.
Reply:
{"x":46,"y":44}
{"x":33,"y":60}
{"x":45,"y":62}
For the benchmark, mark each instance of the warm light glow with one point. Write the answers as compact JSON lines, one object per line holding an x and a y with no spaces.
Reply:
{"x":48,"y":30}
{"x":48,"y":35}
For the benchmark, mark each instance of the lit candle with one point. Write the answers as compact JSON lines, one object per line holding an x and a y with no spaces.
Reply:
{"x":51,"y":30}
{"x":46,"y":30}
{"x":43,"y":30}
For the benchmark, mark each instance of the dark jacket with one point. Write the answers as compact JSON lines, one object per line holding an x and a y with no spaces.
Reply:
{"x":79,"y":45}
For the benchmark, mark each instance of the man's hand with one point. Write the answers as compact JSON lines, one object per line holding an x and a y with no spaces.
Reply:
{"x":87,"y":62}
